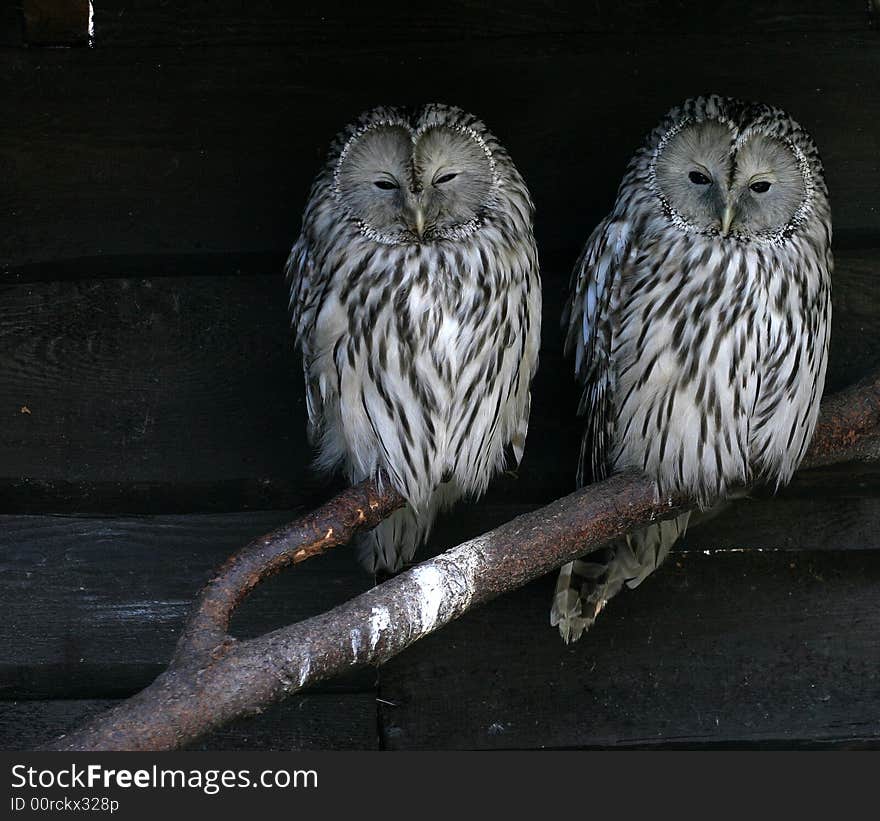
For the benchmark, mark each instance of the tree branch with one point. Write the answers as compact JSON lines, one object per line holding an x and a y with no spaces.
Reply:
{"x":849,"y":426}
{"x":213,"y":678}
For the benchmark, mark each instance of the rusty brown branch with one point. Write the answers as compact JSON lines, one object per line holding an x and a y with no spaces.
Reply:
{"x":358,"y":508}
{"x":213,"y":678}
{"x":849,"y":426}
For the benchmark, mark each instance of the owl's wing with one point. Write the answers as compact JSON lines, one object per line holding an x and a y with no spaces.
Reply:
{"x":588,"y":323}
{"x":299,"y":273}
{"x":307,"y":287}
{"x":586,"y":584}
{"x":530,"y":341}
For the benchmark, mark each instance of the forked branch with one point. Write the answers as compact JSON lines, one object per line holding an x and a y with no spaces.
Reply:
{"x":214,"y":678}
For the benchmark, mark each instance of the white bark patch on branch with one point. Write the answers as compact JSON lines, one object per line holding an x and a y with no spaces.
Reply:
{"x":355,"y":636}
{"x":304,"y":670}
{"x":380,"y":619}
{"x":431,"y":582}
{"x":444,"y":586}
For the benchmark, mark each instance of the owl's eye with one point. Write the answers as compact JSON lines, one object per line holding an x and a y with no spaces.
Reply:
{"x":385,"y":185}
{"x":445,"y":178}
{"x":698,"y":179}
{"x":760,"y":187}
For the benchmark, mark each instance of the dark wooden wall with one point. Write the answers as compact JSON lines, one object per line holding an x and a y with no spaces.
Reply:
{"x":152,"y":414}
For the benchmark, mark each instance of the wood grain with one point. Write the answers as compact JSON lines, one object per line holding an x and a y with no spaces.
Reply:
{"x":150,"y":380}
{"x":307,"y":722}
{"x":162,"y":150}
{"x":820,"y":510}
{"x":198,"y":22}
{"x":735,"y":648}
{"x":92,"y":607}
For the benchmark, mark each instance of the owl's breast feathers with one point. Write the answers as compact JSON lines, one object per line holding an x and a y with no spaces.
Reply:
{"x":423,"y":357}
{"x":717,"y":361}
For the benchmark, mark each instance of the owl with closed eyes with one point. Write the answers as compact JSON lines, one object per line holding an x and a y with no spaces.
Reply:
{"x":699,"y":316}
{"x":416,"y":300}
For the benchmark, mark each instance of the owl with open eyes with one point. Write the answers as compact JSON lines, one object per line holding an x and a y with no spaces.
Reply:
{"x":699,"y":316}
{"x":416,"y":300}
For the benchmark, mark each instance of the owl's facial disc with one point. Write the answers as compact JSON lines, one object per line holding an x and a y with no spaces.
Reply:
{"x":373,"y":176}
{"x":767,"y":187}
{"x":692,"y":171}
{"x":405,"y":188}
{"x":718,"y":186}
{"x":453,"y":178}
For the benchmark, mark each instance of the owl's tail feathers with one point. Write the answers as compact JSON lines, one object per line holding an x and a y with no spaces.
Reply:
{"x":648,"y":548}
{"x":585,"y":586}
{"x":394,"y":541}
{"x":391,"y":543}
{"x":582,"y":590}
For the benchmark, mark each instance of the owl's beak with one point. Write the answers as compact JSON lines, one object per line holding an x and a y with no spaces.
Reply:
{"x":415,"y":217}
{"x":727,"y":219}
{"x":419,"y":221}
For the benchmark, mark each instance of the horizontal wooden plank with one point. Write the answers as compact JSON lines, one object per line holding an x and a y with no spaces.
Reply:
{"x":106,"y":380}
{"x":93,"y":607}
{"x":197,"y":22}
{"x":182,"y":151}
{"x":34,"y":496}
{"x":726,"y":649}
{"x":56,"y":22}
{"x":182,"y":394}
{"x":149,"y":266}
{"x":306,"y":722}
{"x":167,"y":381}
{"x":821,"y":510}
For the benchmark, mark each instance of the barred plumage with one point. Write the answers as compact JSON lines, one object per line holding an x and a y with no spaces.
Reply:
{"x":699,"y":315}
{"x":416,"y":300}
